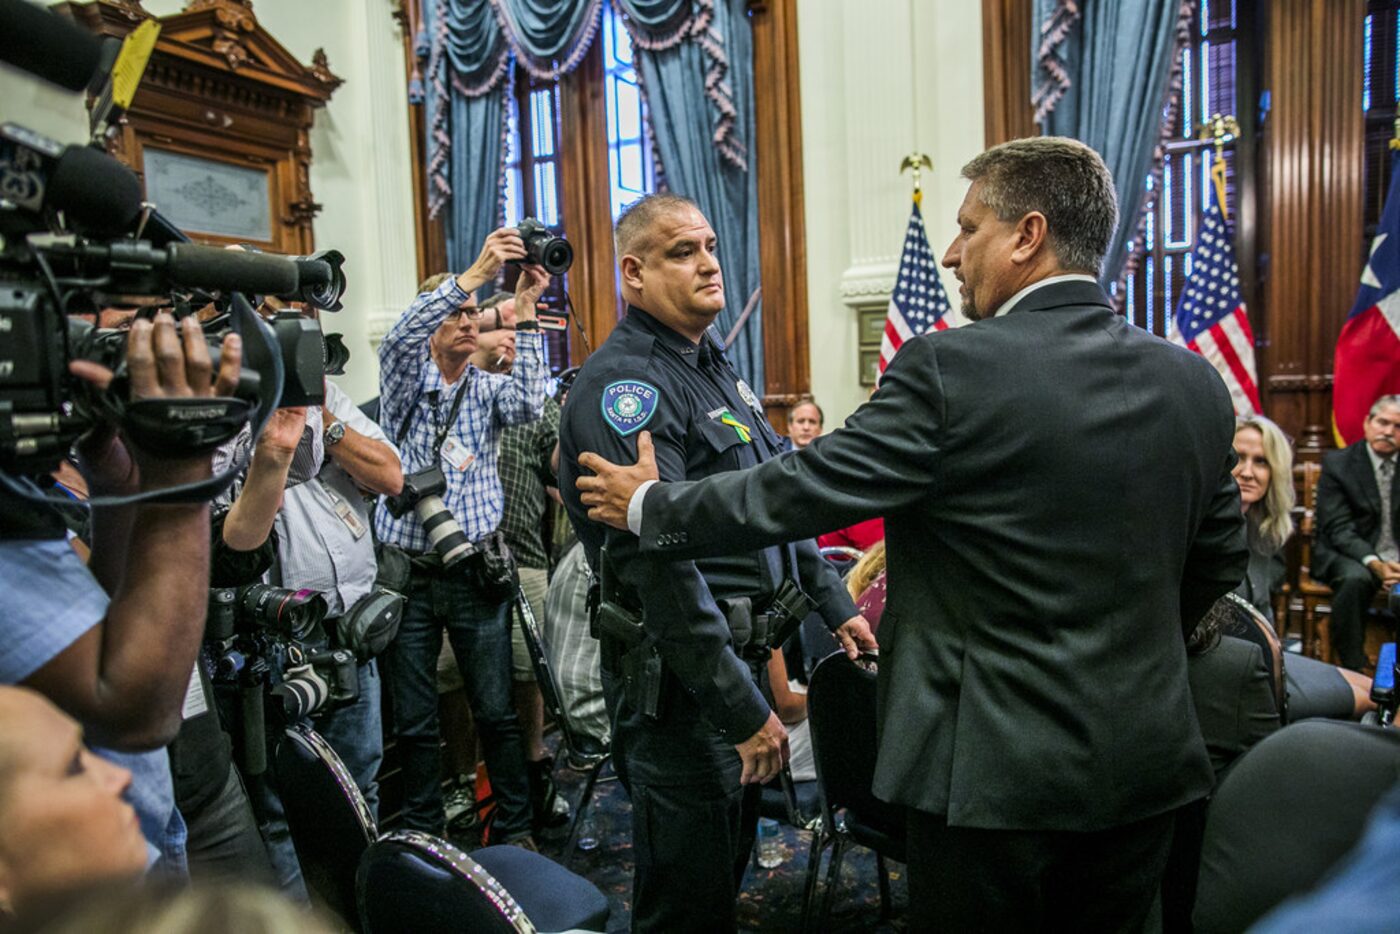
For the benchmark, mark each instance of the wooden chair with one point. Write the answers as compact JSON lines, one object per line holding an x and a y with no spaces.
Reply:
{"x":1312,"y":598}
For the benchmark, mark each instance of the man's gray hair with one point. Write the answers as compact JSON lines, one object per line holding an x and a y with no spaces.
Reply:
{"x":1062,"y":179}
{"x":1390,"y":401}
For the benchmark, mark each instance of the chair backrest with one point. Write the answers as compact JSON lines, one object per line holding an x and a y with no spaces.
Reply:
{"x":410,"y":881}
{"x":1246,"y":622}
{"x":1305,"y":477}
{"x":330,"y":823}
{"x":550,"y":689}
{"x":841,"y":708}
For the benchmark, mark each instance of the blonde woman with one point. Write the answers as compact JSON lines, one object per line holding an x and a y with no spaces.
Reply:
{"x":1265,"y":477}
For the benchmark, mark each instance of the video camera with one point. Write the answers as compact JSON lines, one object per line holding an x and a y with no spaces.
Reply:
{"x":75,"y":235}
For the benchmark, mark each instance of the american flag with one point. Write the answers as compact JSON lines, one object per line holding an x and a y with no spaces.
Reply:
{"x":918,"y":304}
{"x":1211,"y":318}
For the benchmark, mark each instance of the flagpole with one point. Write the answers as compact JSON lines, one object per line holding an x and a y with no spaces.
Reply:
{"x":916,"y":161}
{"x":1223,"y":128}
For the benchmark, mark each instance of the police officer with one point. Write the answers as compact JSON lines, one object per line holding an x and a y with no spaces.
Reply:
{"x":683,"y":642}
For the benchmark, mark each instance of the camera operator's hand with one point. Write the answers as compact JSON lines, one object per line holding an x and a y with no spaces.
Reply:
{"x":282,"y":433}
{"x":528,"y":289}
{"x":501,"y":246}
{"x":161,"y":364}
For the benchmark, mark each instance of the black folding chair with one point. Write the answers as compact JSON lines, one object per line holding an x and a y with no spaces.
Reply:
{"x":841,"y":709}
{"x":330,"y":823}
{"x":581,"y":755}
{"x":410,"y":881}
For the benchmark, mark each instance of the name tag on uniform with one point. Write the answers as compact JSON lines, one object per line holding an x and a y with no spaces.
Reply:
{"x":456,"y":455}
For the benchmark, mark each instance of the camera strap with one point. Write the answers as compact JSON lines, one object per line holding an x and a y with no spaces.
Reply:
{"x":441,"y":428}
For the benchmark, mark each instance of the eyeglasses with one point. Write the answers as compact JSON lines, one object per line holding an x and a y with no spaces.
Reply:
{"x":472,"y":313}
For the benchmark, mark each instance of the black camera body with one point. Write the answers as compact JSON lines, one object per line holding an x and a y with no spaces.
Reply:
{"x":422,"y":492}
{"x":543,"y":248}
{"x":265,"y":638}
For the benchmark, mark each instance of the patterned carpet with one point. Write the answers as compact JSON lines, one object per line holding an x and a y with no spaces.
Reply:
{"x":771,"y":900}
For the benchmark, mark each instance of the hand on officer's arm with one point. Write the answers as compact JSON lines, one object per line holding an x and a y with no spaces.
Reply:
{"x":608,"y":493}
{"x":764,"y":753}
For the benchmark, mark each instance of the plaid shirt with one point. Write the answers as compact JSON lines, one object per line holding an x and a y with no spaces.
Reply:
{"x":409,"y":381}
{"x":526,"y":452}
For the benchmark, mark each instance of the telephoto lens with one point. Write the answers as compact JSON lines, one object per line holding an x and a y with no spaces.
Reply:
{"x":444,"y":533}
{"x":302,"y":692}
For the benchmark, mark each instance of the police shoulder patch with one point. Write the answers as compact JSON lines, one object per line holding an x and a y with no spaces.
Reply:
{"x":628,"y":404}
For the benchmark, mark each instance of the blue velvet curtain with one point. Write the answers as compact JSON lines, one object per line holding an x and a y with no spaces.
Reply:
{"x":470,"y":44}
{"x":1102,"y":71}
{"x":697,"y":75}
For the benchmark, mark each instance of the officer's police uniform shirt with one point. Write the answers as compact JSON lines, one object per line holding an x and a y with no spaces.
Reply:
{"x":704,"y":420}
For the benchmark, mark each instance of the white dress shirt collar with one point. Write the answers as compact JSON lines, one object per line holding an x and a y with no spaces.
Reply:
{"x":1011,"y":302}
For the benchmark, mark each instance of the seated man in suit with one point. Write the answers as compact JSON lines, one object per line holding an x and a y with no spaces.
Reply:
{"x":1355,"y":551}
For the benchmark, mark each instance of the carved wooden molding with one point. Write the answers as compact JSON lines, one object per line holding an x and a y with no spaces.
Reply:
{"x":219,"y":86}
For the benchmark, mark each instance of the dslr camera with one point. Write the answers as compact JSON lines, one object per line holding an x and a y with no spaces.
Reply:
{"x":267,"y":638}
{"x":543,"y":248}
{"x":422,"y":492}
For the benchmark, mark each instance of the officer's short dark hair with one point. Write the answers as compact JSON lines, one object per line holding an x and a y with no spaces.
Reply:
{"x":636,"y":219}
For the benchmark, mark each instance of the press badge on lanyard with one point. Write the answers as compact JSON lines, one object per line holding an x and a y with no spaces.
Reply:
{"x":345,"y":511}
{"x":456,"y":455}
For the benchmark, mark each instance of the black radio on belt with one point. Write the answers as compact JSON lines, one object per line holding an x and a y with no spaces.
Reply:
{"x":785,"y":613}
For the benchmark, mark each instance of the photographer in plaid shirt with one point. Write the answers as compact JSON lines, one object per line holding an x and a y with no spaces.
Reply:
{"x":423,"y":367}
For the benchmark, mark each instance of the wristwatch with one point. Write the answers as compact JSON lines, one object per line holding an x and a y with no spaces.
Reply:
{"x":531,"y":325}
{"x":333,"y":433}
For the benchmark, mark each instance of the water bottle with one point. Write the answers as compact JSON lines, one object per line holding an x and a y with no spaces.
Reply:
{"x":588,"y":832}
{"x":770,"y":846}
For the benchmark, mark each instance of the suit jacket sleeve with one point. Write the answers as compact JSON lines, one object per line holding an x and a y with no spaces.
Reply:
{"x":820,"y":581}
{"x":886,"y":458}
{"x":680,"y":615}
{"x":1219,"y":555}
{"x":1335,"y":517}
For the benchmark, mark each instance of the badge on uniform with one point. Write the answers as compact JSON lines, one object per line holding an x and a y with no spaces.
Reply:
{"x":748,"y":396}
{"x":629,"y":404}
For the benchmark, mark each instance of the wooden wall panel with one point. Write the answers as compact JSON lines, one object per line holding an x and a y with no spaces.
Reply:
{"x":1006,"y":71}
{"x":1313,"y":159}
{"x":782,"y":231}
{"x":588,"y":202}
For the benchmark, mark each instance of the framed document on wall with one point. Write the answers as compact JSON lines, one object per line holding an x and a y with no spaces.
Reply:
{"x":206,"y":196}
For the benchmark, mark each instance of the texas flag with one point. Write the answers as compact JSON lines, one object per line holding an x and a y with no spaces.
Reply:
{"x":1367,"y":365}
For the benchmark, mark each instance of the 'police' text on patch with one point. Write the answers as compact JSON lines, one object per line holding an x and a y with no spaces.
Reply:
{"x":629,"y":404}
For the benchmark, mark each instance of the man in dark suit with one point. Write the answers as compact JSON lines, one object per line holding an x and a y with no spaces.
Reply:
{"x":1358,"y":508}
{"x":1059,"y":512}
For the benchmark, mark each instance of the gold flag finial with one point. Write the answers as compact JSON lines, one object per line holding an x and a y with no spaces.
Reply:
{"x":917,"y":161}
{"x":1222,"y":129}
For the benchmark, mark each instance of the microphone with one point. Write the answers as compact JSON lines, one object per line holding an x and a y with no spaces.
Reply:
{"x":97,"y":194}
{"x":137,"y":267}
{"x":49,"y":46}
{"x":209,"y":267}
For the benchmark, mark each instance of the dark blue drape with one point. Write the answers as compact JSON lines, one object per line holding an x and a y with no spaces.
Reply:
{"x":1102,"y":72}
{"x":697,"y":75}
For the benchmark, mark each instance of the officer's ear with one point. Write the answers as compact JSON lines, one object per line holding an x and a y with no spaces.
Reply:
{"x":631,"y":268}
